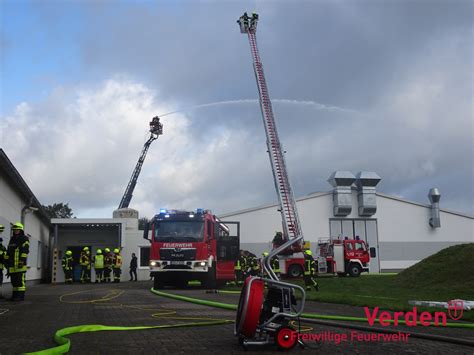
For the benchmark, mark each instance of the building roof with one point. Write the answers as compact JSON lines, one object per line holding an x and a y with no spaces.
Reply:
{"x":13,"y":176}
{"x":320,"y":194}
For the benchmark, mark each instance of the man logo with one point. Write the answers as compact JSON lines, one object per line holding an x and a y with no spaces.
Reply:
{"x":455,"y":309}
{"x":177,"y":250}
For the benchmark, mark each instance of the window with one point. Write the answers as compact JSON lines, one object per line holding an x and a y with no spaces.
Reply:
{"x":359,"y":246}
{"x":144,"y":256}
{"x":179,"y":231}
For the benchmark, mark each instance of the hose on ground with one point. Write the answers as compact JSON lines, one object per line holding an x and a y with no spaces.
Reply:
{"x":64,"y":344}
{"x":304,"y":315}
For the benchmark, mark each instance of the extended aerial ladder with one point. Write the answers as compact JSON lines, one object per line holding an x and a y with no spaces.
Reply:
{"x":156,"y":129}
{"x":260,"y":316}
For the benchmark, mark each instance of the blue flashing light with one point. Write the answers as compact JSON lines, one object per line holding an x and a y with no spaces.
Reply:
{"x":199,"y":211}
{"x":162,"y":210}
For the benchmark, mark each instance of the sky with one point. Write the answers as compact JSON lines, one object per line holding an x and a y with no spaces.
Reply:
{"x":384,"y":86}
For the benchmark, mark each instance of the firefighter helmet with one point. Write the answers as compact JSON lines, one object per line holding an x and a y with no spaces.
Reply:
{"x":18,"y":226}
{"x":68,"y":252}
{"x":85,"y":248}
{"x":116,"y":250}
{"x":107,"y":250}
{"x":308,"y":252}
{"x":99,"y":251}
{"x":2,"y":228}
{"x":265,"y":253}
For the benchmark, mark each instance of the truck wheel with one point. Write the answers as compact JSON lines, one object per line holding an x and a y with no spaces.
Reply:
{"x":157,"y":283}
{"x":355,"y":270}
{"x":295,"y":271}
{"x":211,"y":278}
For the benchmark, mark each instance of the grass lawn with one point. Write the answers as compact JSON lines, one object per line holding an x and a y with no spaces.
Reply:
{"x":386,"y":292}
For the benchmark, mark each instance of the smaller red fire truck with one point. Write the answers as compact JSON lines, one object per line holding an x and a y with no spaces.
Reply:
{"x":348,"y":256}
{"x":194,"y":245}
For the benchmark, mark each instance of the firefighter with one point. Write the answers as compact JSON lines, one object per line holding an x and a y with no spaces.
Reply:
{"x":3,"y":252}
{"x":277,"y":240}
{"x":16,"y":261}
{"x":309,"y":271}
{"x":99,"y":266}
{"x":239,"y":265}
{"x":274,"y":263}
{"x":253,"y":264}
{"x":67,"y":266}
{"x":107,"y":265}
{"x":85,"y":262}
{"x":117,"y":264}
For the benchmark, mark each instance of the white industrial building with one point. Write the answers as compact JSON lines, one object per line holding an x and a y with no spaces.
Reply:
{"x":401,"y":231}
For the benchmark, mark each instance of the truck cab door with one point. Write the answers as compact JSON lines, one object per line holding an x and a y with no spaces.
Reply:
{"x":227,"y":235}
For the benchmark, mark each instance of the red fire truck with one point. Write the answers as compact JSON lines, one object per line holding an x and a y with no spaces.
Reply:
{"x":349,"y":256}
{"x":194,"y":245}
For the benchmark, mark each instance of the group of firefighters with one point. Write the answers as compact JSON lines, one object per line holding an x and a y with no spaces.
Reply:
{"x":247,"y":264}
{"x":105,"y":265}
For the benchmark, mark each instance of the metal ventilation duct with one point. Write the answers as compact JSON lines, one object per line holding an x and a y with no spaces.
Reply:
{"x":366,"y":182}
{"x":434,"y":196}
{"x":342,"y":195}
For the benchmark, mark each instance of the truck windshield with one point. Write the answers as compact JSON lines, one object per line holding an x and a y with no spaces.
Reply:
{"x":179,"y":231}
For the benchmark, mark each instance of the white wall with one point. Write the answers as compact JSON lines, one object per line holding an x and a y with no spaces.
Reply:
{"x":11,"y":205}
{"x":404,"y":234}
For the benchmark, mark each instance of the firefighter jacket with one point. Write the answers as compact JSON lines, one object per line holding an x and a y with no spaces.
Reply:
{"x":67,"y":263}
{"x":108,"y":260}
{"x":3,"y":253}
{"x":309,"y":265}
{"x":17,"y":253}
{"x":253,"y":262}
{"x":275,"y":264}
{"x":99,"y":261}
{"x":84,"y":259}
{"x":117,"y":261}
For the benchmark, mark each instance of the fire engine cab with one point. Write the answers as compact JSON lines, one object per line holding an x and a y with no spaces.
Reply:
{"x":194,"y":245}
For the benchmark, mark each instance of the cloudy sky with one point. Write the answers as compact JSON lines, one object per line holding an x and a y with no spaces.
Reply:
{"x":385,"y":86}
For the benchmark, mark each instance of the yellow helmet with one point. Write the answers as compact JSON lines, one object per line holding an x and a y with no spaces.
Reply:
{"x":18,"y":226}
{"x":68,"y":252}
{"x":85,"y":248}
{"x":265,"y":253}
{"x":116,"y":250}
{"x":308,"y":252}
{"x":107,"y":250}
{"x":99,"y":251}
{"x":2,"y":228}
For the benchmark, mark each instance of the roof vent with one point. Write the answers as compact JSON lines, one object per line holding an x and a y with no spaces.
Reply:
{"x":342,"y":195}
{"x":434,"y":196}
{"x":366,"y":182}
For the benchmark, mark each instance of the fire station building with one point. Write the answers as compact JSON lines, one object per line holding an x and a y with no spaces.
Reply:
{"x":402,"y":232}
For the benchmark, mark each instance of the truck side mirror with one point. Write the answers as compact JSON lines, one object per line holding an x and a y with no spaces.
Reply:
{"x":145,"y":231}
{"x":373,"y":253}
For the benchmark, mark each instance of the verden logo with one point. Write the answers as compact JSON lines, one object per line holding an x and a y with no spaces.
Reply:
{"x":455,"y":309}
